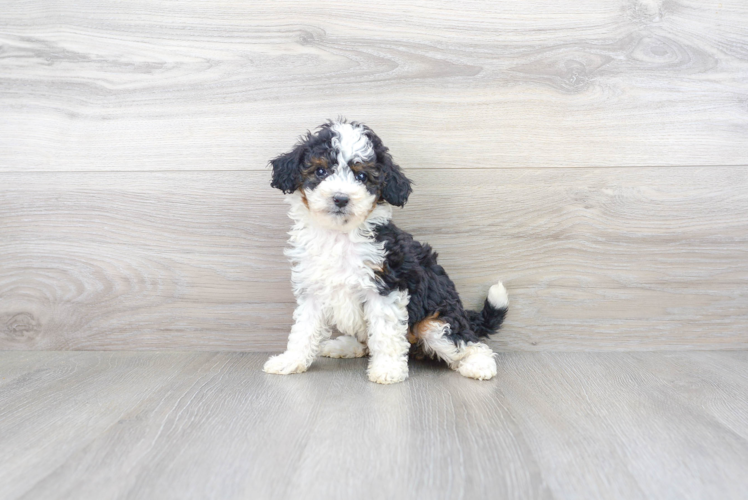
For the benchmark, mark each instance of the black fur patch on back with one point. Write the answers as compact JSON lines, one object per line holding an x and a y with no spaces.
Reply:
{"x":410,"y":265}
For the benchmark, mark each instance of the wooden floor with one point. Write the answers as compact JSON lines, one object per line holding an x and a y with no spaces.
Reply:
{"x":212,"y":425}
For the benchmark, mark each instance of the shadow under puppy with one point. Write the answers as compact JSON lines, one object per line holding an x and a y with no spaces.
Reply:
{"x":353,"y":269}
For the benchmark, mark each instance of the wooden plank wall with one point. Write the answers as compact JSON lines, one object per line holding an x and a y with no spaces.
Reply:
{"x":593,"y":154}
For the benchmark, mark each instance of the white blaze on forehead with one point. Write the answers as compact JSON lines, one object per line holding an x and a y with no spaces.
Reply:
{"x":351,"y":142}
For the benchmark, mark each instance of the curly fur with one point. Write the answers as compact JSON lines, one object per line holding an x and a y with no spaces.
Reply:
{"x":354,"y":270}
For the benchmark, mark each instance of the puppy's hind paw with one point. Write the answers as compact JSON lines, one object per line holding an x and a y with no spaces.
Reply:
{"x":344,"y":346}
{"x":479,"y":365}
{"x":284,"y":364}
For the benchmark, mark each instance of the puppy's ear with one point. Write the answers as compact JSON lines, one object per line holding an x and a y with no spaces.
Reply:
{"x":287,"y":170}
{"x":396,"y":187}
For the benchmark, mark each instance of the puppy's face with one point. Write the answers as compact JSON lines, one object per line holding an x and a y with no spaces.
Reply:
{"x":342,"y":172}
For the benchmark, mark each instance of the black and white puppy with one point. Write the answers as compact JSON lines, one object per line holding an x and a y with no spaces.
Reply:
{"x":354,"y":270}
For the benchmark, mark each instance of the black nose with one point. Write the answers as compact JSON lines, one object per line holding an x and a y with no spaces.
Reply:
{"x":340,"y":200}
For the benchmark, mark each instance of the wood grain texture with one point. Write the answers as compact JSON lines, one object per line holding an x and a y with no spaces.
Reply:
{"x":227,"y":85}
{"x":212,"y":425}
{"x":631,"y":258}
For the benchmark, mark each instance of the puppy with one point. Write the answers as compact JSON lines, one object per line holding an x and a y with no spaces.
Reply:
{"x":354,"y":270}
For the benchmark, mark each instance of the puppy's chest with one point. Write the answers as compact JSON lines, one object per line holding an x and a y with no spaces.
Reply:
{"x":334,"y":263}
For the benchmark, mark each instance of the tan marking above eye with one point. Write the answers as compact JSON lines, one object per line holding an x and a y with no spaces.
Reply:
{"x":314,"y":163}
{"x":369,"y":167}
{"x":361,"y":165}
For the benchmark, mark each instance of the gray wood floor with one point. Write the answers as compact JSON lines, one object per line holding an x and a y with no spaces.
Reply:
{"x":212,"y":425}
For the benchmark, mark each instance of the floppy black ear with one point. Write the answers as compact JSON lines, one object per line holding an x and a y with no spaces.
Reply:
{"x":287,"y":170}
{"x":396,"y":187}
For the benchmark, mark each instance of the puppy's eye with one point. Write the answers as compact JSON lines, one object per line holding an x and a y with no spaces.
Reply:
{"x":321,"y":172}
{"x":362,"y":177}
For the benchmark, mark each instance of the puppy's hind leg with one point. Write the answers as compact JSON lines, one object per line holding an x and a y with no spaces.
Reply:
{"x":344,"y":346}
{"x":472,"y":359}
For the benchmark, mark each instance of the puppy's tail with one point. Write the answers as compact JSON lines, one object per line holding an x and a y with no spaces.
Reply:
{"x":489,"y":320}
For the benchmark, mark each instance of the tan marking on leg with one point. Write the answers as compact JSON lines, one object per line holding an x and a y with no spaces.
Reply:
{"x":419,"y":329}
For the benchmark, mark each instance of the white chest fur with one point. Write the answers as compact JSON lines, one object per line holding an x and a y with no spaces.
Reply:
{"x":334,"y":268}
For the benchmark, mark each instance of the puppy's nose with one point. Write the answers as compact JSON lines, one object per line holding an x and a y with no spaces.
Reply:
{"x":340,"y":200}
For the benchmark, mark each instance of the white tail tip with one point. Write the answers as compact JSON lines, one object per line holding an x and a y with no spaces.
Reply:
{"x":497,"y":296}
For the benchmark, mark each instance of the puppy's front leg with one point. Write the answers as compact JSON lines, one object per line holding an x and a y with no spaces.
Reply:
{"x":307,"y":332}
{"x":387,"y":318}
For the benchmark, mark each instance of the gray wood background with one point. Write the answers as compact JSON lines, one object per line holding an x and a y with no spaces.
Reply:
{"x":593,"y":154}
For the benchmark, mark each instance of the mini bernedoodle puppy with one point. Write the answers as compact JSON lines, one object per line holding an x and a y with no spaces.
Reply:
{"x":354,"y":270}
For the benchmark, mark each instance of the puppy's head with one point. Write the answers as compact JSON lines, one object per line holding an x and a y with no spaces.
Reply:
{"x":342,"y":172}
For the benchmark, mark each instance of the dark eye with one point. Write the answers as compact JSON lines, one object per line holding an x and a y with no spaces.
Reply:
{"x":321,"y":172}
{"x":361,"y":177}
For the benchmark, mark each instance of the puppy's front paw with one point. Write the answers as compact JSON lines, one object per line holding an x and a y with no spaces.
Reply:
{"x":387,"y":371}
{"x":285,"y":363}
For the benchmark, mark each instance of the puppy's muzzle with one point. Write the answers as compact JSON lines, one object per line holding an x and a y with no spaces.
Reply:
{"x":340,"y":200}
